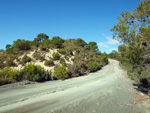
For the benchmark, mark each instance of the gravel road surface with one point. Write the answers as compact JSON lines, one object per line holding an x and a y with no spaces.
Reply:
{"x":105,"y":91}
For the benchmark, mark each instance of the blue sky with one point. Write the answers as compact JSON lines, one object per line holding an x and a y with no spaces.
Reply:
{"x":90,"y":20}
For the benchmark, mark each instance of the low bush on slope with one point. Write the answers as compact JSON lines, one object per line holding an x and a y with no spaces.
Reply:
{"x":29,"y":72}
{"x":61,"y":73}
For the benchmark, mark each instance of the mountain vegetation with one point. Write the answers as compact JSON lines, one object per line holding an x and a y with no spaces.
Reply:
{"x":133,"y":29}
{"x":46,"y":59}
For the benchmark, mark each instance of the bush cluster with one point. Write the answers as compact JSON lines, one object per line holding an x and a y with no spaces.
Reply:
{"x":39,"y":56}
{"x":92,"y":66}
{"x":43,"y":48}
{"x":49,"y":62}
{"x":10,"y":63}
{"x":73,"y":70}
{"x":56,"y":56}
{"x":62,"y":61}
{"x":61,"y":73}
{"x":30,"y":72}
{"x":57,"y":42}
{"x":86,"y":58}
{"x":25,"y":59}
{"x":8,"y":75}
{"x":67,"y":50}
{"x":34,"y":72}
{"x":104,"y":58}
{"x":87,"y":61}
{"x":2,"y":65}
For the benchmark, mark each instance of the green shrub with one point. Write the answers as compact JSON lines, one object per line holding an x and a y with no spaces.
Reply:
{"x":4,"y":81}
{"x":26,"y":59}
{"x":80,"y":42}
{"x":2,"y":65}
{"x":57,"y":42}
{"x":34,"y":72}
{"x":73,"y":70}
{"x":21,"y":45}
{"x":69,"y":42}
{"x":37,"y":77}
{"x":3,"y":56}
{"x":83,"y":67}
{"x":78,"y":57}
{"x":62,"y":61}
{"x":133,"y":74}
{"x":104,"y":58}
{"x":92,"y":46}
{"x":92,"y":66}
{"x":46,"y":43}
{"x":10,"y":63}
{"x":62,"y":51}
{"x":39,"y":56}
{"x":56,"y":66}
{"x":9,"y":74}
{"x":61,"y":73}
{"x":67,"y":50}
{"x":49,"y":63}
{"x":56,"y":56}
{"x":78,"y":68}
{"x":43,"y":48}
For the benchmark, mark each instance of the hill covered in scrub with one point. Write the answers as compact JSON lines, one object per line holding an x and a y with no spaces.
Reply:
{"x":46,"y":59}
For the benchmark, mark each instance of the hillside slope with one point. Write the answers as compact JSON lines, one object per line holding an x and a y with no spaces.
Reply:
{"x":46,"y":59}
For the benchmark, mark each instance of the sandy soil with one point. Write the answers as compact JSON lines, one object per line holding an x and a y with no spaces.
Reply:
{"x":105,"y":91}
{"x":48,"y":55}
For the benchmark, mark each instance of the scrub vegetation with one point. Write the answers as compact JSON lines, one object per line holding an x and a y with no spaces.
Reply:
{"x":133,"y":29}
{"x":47,"y":59}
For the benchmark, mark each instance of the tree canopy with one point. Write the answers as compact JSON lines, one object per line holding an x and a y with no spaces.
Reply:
{"x":57,"y":41}
{"x":133,"y":29}
{"x":133,"y":26}
{"x":92,"y":46}
{"x":21,"y":44}
{"x":41,"y":37}
{"x":80,"y":42}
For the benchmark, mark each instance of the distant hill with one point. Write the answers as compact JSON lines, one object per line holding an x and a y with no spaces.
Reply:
{"x":46,"y":59}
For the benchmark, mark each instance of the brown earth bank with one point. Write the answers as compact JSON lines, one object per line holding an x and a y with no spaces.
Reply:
{"x":105,"y":91}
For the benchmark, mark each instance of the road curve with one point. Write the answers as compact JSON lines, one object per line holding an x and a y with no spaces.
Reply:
{"x":105,"y":91}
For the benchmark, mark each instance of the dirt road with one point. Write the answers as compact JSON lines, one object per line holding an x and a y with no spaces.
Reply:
{"x":105,"y":91}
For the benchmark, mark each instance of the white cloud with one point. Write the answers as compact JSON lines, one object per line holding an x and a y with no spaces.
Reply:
{"x":110,"y":40}
{"x":108,"y":43}
{"x":113,"y":49}
{"x":101,"y":44}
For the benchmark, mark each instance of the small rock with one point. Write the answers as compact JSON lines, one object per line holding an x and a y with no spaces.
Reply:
{"x":142,"y":94}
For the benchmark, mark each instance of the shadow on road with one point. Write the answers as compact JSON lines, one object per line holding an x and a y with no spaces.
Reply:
{"x":142,"y":88}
